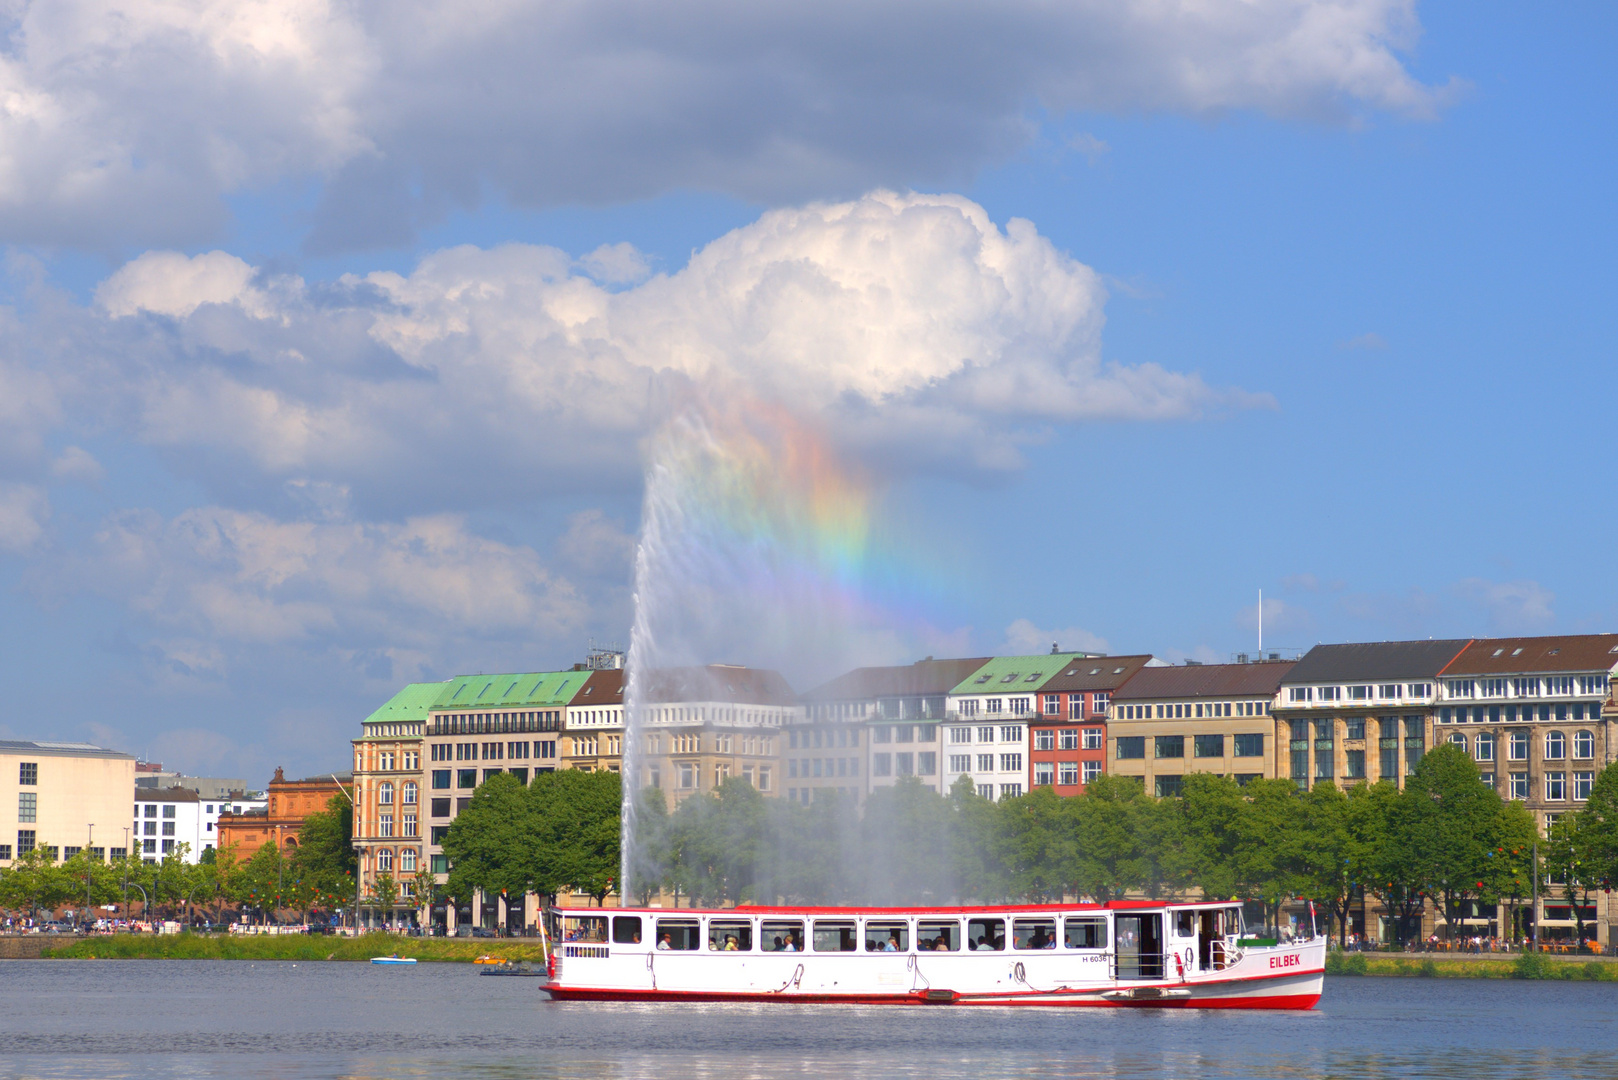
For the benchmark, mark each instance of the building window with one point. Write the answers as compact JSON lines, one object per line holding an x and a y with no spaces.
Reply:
{"x":1011,"y":763}
{"x":466,"y":778}
{"x":1555,"y":746}
{"x":409,"y":825}
{"x":407,"y":793}
{"x":1556,"y":787}
{"x":148,"y":847}
{"x":960,"y":735}
{"x":881,"y":764}
{"x":986,"y":791}
{"x":407,"y":860}
{"x":1067,"y":773}
{"x":926,"y":764}
{"x":1045,"y":740}
{"x":1093,"y":738}
{"x":985,"y":763}
{"x":1519,"y":785}
{"x":441,"y":779}
{"x":1354,"y":728}
{"x":384,"y":860}
{"x":151,"y":810}
{"x":168,"y":847}
{"x":1130,"y":747}
{"x":1208,"y":746}
{"x":960,"y":763}
{"x":1168,"y":787}
{"x":1485,"y":747}
{"x":387,"y":760}
{"x":1092,"y":769}
{"x":1584,"y":745}
{"x":384,"y":825}
{"x":1053,"y":704}
{"x":168,"y":828}
{"x":1067,"y":739}
{"x":1517,"y":747}
{"x":764,"y":775}
{"x":1583,"y":782}
{"x":27,"y":774}
{"x":1011,"y":733}
{"x":904,"y":764}
{"x":1415,"y":743}
{"x":384,"y":794}
{"x":1103,"y":699}
{"x":1169,"y":746}
{"x":1044,"y":773}
{"x":151,"y":828}
{"x":27,"y":806}
{"x":1354,"y":765}
{"x":1250,"y":745}
{"x":986,"y":734}
{"x":1010,"y":791}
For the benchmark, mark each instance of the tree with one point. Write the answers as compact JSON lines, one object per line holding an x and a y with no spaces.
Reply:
{"x":578,"y":830}
{"x":384,"y":896}
{"x":1445,"y":820}
{"x":492,"y":843}
{"x":1108,"y":818}
{"x":325,"y":863}
{"x":34,"y":883}
{"x":1598,"y":825}
{"x":1039,"y":845}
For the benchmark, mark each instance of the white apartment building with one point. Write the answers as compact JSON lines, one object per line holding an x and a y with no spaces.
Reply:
{"x":987,"y":717}
{"x":165,"y":818}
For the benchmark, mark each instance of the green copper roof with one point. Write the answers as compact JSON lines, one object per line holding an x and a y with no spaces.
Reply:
{"x":411,"y":703}
{"x":1009,"y":674}
{"x":539,"y":689}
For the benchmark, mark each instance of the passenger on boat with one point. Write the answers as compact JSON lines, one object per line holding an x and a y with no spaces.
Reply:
{"x":983,"y":944}
{"x":730,"y":943}
{"x":666,"y":941}
{"x":892,"y":944}
{"x":790,"y":946}
{"x":941,"y":945}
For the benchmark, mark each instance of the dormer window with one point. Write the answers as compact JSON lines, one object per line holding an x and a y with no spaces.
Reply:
{"x":1011,"y":678}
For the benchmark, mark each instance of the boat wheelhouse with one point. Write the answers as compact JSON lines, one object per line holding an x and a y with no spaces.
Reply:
{"x":1191,"y":955}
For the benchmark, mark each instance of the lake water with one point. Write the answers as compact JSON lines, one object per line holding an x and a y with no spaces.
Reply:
{"x":195,"y":1018}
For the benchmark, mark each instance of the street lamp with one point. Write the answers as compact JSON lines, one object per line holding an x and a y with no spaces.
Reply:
{"x":356,"y":808}
{"x":89,"y":857}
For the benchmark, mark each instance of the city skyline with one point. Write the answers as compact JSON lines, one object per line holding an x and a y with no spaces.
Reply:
{"x":335,"y":379}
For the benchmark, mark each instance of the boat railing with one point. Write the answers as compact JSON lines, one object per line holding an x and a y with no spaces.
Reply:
{"x":599,"y":952}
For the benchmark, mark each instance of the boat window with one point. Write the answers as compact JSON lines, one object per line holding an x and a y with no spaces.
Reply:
{"x":938,"y":936}
{"x":584,"y":928}
{"x":1186,"y":923}
{"x":887,"y":937}
{"x":728,"y":935}
{"x":1033,"y":934}
{"x":1088,"y":932}
{"x":834,"y":936}
{"x":681,"y":935}
{"x":626,"y":929}
{"x":781,"y":936}
{"x":985,"y":935}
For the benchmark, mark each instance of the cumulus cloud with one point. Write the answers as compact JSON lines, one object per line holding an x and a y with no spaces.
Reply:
{"x":210,"y":582}
{"x":128,"y":121}
{"x":78,"y":464}
{"x":495,"y":373}
{"x":1025,"y":639}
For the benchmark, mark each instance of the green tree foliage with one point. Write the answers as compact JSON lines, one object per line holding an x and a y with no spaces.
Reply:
{"x":324,"y":863}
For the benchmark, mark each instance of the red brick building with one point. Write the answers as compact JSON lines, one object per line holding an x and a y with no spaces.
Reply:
{"x":1068,"y":741}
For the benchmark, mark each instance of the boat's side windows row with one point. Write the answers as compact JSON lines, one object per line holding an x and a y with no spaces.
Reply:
{"x":679,"y":935}
{"x":733,"y":936}
{"x":626,"y":929}
{"x":781,"y":936}
{"x":1085,"y":932}
{"x":584,"y":928}
{"x":887,"y":937}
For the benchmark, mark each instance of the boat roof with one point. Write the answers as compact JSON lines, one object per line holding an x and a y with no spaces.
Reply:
{"x":790,"y":909}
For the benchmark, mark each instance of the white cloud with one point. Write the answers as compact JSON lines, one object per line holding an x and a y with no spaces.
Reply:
{"x":77,"y":463}
{"x":1023,"y":638}
{"x":502,"y":373}
{"x":211,"y":582}
{"x":616,"y":264}
{"x":24,"y":509}
{"x":1513,"y":607}
{"x":127,"y":121}
{"x":1092,"y":148}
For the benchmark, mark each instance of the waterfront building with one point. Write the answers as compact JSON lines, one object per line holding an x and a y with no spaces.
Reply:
{"x":834,"y":742}
{"x":64,"y":796}
{"x":705,"y":725}
{"x":166,"y":818}
{"x":390,"y":795}
{"x":1532,"y":712}
{"x":1167,"y":722}
{"x":481,"y":726}
{"x":1067,"y":745}
{"x":286,"y":804}
{"x":593,"y":724}
{"x":1359,"y":712}
{"x":987,"y":718}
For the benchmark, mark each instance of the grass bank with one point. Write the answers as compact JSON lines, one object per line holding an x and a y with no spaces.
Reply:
{"x":1523,"y":966}
{"x":289,"y":947}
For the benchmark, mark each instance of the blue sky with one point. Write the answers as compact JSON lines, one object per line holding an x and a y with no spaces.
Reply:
{"x":1412,"y":288}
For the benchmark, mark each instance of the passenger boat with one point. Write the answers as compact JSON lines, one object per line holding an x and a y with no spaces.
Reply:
{"x":1190,"y":955}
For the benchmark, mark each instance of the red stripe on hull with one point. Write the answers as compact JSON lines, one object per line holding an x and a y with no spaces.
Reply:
{"x":1271,"y":1001}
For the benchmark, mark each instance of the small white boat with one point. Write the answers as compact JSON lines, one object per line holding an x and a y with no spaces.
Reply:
{"x":1122,"y":954}
{"x":393,"y":960}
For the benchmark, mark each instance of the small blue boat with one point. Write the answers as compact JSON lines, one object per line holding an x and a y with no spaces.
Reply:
{"x":393,"y":960}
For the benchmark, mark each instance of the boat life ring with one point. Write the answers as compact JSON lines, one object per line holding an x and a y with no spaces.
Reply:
{"x":1181,"y":965}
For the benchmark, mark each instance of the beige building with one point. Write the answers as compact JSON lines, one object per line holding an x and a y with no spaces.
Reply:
{"x":1166,"y":722}
{"x":704,"y":725}
{"x":593,"y":724}
{"x":390,"y":798}
{"x":64,"y":797}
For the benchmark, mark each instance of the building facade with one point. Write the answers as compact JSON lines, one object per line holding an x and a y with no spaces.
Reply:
{"x":390,"y":796}
{"x":989,"y":712}
{"x":1067,"y":745}
{"x":1359,"y":712}
{"x":705,"y":725}
{"x":167,"y":818}
{"x":286,"y":804}
{"x":834,"y":743}
{"x":1167,"y":722}
{"x":63,"y":797}
{"x":593,"y":724}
